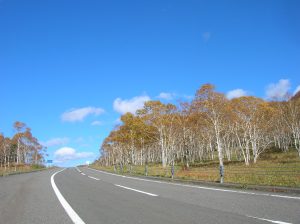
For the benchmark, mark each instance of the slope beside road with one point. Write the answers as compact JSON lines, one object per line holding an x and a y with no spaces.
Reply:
{"x":100,"y":197}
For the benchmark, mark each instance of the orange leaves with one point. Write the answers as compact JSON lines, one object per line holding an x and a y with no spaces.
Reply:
{"x":19,"y":126}
{"x":22,"y":148}
{"x":193,"y":131}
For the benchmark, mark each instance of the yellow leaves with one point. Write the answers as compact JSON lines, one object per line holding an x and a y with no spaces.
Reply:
{"x":19,"y":126}
{"x":23,"y":147}
{"x":209,"y":120}
{"x":204,"y":92}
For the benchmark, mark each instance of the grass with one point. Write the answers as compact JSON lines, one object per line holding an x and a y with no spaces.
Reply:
{"x":272,"y":169}
{"x":20,"y":169}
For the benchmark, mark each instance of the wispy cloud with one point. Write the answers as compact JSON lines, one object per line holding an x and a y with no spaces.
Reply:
{"x":236,"y":93}
{"x":117,"y":121}
{"x":278,"y":90}
{"x":130,"y":105}
{"x":79,"y":140}
{"x":188,"y":97}
{"x":56,"y":142}
{"x":166,"y":96}
{"x":173,"y":96}
{"x":296,"y":90}
{"x":79,"y":114}
{"x":65,"y":154}
{"x":83,"y":142}
{"x":206,"y":36}
{"x":96,"y":123}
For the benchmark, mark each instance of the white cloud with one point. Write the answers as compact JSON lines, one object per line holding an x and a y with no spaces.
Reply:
{"x":96,"y":123}
{"x":172,"y":96}
{"x":74,"y":115}
{"x":206,"y":36}
{"x":236,"y":93}
{"x":296,"y":90}
{"x":56,"y":142}
{"x":66,"y":153}
{"x":131,"y":105}
{"x":278,"y":90}
{"x":166,"y":96}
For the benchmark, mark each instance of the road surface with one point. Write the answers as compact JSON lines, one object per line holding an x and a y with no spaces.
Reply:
{"x":83,"y":195}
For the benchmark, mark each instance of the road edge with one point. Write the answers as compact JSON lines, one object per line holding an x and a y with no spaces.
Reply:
{"x":24,"y":172}
{"x":274,"y":189}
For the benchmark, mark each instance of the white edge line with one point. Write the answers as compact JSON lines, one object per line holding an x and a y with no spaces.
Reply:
{"x":269,"y":220}
{"x":69,"y":210}
{"x":132,"y":189}
{"x":93,"y":178}
{"x":283,"y":196}
{"x":199,"y":187}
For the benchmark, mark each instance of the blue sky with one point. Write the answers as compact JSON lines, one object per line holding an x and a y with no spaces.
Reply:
{"x":69,"y":68}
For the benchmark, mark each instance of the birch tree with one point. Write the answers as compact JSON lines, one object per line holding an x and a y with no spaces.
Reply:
{"x":212,"y":106}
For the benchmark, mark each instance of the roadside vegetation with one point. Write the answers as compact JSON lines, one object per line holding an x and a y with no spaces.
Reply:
{"x":273,"y":169}
{"x":252,"y":140}
{"x":22,"y":152}
{"x":20,"y":169}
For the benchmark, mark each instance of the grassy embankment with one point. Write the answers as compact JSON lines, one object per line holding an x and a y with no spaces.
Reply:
{"x":20,"y":169}
{"x":272,"y":169}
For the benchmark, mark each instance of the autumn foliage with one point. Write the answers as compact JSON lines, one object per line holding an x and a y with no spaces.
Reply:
{"x":22,"y":149}
{"x":208,"y":127}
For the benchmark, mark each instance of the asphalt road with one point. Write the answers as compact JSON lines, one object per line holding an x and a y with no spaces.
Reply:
{"x":88,"y":196}
{"x":29,"y":198}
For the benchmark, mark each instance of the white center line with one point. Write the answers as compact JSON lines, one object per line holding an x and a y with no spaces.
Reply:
{"x":132,"y":189}
{"x":93,"y":178}
{"x":71,"y":213}
{"x":83,"y":174}
{"x":77,"y":169}
{"x":269,"y":220}
{"x":200,"y":187}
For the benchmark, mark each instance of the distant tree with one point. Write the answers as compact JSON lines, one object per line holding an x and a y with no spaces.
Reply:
{"x":22,"y":148}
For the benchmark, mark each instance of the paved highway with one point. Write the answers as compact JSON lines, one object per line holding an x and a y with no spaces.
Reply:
{"x":83,"y":195}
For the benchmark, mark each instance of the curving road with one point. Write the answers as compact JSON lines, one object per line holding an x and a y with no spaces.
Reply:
{"x":84,"y":195}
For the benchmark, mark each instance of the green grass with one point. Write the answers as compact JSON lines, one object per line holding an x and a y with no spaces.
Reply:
{"x":20,"y":169}
{"x":272,"y":169}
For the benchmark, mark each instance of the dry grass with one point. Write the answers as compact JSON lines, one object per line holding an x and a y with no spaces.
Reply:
{"x":272,"y":169}
{"x":19,"y":169}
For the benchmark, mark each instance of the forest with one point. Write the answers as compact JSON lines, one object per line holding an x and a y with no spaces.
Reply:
{"x":22,"y":149}
{"x":209,"y":127}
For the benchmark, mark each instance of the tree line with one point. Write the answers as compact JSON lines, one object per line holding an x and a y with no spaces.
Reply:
{"x":22,"y":149}
{"x":207,"y":128}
